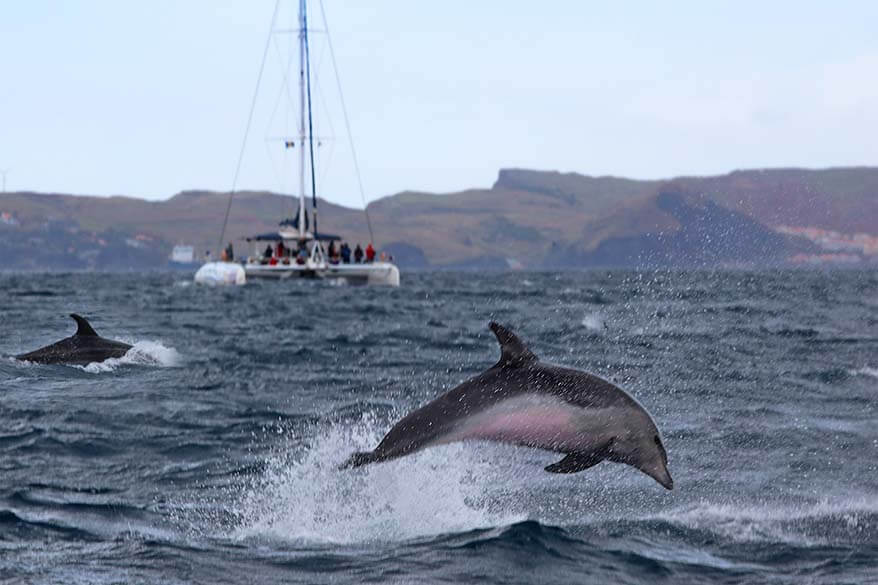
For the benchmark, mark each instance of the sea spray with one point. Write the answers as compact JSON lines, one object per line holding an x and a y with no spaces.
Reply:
{"x":303,"y":496}
{"x":593,"y":322}
{"x":142,"y":353}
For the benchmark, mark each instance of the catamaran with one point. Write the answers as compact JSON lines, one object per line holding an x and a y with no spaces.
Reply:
{"x":298,"y":249}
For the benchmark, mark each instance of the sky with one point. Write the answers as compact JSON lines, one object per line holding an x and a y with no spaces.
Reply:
{"x":105,"y":97}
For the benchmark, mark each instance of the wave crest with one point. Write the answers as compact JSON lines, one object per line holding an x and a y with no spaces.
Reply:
{"x":865,"y":371}
{"x":852,"y":520}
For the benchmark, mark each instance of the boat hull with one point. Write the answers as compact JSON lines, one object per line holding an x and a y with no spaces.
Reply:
{"x":374,"y":274}
{"x":221,"y":274}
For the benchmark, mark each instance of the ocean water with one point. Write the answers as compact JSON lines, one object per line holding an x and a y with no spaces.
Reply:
{"x":209,"y":454}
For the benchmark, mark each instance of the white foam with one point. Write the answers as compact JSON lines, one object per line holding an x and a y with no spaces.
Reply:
{"x":774,"y":522}
{"x":593,"y":321}
{"x":865,"y":371}
{"x":303,"y":496}
{"x":142,"y":353}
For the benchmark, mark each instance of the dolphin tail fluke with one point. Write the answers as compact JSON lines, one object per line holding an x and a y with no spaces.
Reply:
{"x":359,"y":458}
{"x":82,"y":326}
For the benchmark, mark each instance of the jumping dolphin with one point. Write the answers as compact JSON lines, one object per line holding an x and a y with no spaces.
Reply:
{"x":524,"y":401}
{"x":83,"y":347}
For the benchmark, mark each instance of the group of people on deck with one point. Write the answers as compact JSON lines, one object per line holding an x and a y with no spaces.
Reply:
{"x":337,"y":254}
{"x":280,"y":253}
{"x":342,"y":254}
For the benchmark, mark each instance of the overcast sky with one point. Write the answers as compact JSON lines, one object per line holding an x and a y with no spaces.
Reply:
{"x":150,"y":98}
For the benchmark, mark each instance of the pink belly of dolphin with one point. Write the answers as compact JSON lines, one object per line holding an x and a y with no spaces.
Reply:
{"x":530,"y":420}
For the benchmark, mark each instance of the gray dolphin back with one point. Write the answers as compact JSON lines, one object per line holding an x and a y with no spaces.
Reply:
{"x":83,"y":347}
{"x":424,"y":425}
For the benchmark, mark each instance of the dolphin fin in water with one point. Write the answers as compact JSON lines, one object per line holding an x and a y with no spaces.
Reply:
{"x":513,"y":351}
{"x":83,"y":327}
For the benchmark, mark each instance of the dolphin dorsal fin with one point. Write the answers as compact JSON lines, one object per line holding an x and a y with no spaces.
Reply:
{"x":82,"y":326}
{"x":513,"y":351}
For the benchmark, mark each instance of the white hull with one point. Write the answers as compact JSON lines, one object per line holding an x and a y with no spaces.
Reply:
{"x":220,"y":273}
{"x":375,"y":273}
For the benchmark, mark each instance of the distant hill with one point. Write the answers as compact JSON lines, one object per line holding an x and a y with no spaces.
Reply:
{"x":532,"y":219}
{"x":676,"y":227}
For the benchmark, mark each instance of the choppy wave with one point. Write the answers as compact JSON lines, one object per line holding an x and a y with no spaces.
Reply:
{"x":227,"y":467}
{"x":844,"y":520}
{"x":301,"y":496}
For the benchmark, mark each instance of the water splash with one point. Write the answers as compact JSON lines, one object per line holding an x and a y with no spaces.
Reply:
{"x":303,"y":496}
{"x":593,"y":322}
{"x":142,"y":353}
{"x":865,"y":371}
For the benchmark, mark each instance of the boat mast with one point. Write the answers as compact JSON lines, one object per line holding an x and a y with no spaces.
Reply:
{"x":302,"y":41}
{"x":310,"y":129}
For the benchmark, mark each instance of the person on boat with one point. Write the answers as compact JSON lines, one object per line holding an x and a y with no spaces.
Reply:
{"x":302,"y":256}
{"x":370,"y":253}
{"x":268,"y":252}
{"x":280,"y":249}
{"x":358,"y":254}
{"x":229,"y":253}
{"x":332,"y":253}
{"x":345,"y":253}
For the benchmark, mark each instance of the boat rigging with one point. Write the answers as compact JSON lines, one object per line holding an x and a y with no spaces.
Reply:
{"x":298,"y":248}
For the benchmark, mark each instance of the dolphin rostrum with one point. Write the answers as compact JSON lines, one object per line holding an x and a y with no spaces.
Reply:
{"x":83,"y":347}
{"x":524,"y":401}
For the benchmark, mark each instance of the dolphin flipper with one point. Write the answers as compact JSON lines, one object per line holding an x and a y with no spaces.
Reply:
{"x":575,"y":462}
{"x":82,"y":326}
{"x":513,"y":351}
